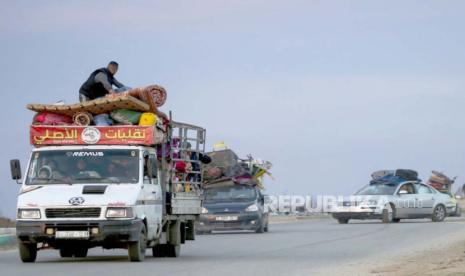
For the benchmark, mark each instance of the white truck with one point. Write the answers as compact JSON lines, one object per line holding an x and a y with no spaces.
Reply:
{"x":113,"y":187}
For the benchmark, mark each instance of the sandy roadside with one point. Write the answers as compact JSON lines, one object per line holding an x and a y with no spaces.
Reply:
{"x":444,"y":255}
{"x":442,"y":260}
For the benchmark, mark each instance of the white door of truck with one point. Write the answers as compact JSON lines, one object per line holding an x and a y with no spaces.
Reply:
{"x":152,"y":196}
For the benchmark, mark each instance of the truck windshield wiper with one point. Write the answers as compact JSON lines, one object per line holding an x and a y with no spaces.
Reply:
{"x":106,"y":179}
{"x":63,"y":180}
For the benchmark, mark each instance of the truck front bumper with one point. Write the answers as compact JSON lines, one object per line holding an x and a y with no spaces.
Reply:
{"x":101,"y":231}
{"x":217,"y":222}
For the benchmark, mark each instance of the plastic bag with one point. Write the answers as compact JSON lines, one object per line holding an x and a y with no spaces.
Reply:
{"x":126,"y":116}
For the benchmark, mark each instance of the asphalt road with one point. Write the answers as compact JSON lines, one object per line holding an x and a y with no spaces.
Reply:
{"x":299,"y":248}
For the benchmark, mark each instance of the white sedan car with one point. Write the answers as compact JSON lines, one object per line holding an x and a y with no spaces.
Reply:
{"x":392,"y":202}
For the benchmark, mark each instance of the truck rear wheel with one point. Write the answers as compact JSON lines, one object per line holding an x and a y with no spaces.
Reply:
{"x":159,"y":250}
{"x":28,"y":252}
{"x":173,"y":250}
{"x":136,"y":250}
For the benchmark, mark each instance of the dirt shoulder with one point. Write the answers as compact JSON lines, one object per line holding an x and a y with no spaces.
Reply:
{"x":442,"y":260}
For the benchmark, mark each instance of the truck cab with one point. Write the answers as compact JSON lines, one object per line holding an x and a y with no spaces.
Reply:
{"x":233,"y":207}
{"x":113,"y":195}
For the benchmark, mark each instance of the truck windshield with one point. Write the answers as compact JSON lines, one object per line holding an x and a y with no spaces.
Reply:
{"x":230,"y":193}
{"x":378,"y":189}
{"x":83,"y":166}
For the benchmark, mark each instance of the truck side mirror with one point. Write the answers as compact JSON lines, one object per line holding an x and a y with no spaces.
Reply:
{"x":15,"y":167}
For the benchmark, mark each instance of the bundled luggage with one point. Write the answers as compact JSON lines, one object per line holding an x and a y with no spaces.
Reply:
{"x":393,"y":176}
{"x":440,"y":181}
{"x":227,"y":169}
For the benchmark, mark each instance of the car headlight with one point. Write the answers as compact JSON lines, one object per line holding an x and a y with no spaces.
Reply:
{"x":372,"y":202}
{"x":28,"y":213}
{"x":252,"y":208}
{"x":204,"y":210}
{"x":119,"y":213}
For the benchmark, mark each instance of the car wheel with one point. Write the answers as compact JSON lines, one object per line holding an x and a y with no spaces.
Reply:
{"x":458,"y":212}
{"x":343,"y":220}
{"x":439,"y":213}
{"x":388,"y":214}
{"x":66,"y":252}
{"x":136,"y":250}
{"x":261,"y":228}
{"x":80,"y":252}
{"x":28,"y":252}
{"x":396,"y":220}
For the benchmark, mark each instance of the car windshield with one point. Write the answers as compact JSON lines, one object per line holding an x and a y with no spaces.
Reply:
{"x":230,"y":193}
{"x":378,"y":189}
{"x":83,"y":166}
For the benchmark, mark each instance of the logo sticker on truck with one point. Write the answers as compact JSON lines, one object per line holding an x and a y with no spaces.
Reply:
{"x":90,"y":135}
{"x":76,"y":200}
{"x":86,"y":154}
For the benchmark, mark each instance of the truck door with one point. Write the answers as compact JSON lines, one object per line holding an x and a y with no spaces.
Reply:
{"x":152,"y":196}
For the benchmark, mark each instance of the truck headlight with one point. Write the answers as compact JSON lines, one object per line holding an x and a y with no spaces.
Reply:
{"x":119,"y":213}
{"x":28,"y":213}
{"x":252,"y":208}
{"x":204,"y":210}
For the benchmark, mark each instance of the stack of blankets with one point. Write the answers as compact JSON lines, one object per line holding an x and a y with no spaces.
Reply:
{"x":138,"y":106}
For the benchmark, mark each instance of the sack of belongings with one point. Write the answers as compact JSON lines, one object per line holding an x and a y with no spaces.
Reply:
{"x":126,"y":116}
{"x":52,"y":119}
{"x":440,"y":181}
{"x":224,"y":163}
{"x":226,"y":169}
{"x":409,"y":175}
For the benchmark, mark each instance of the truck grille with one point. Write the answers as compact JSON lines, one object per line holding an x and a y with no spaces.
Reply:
{"x":73,"y":213}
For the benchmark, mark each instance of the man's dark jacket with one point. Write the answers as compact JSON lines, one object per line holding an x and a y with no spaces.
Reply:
{"x":92,"y":89}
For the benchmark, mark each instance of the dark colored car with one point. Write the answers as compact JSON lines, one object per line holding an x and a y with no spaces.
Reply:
{"x":234,"y":207}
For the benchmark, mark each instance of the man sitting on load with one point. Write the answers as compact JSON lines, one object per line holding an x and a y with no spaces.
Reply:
{"x":100,"y":83}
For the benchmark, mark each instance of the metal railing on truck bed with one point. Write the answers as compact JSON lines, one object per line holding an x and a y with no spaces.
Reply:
{"x":186,"y":148}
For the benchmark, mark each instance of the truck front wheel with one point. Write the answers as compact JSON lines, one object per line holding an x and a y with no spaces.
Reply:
{"x":28,"y":252}
{"x":136,"y":250}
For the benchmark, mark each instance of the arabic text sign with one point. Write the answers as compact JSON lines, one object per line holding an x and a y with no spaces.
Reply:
{"x":73,"y":135}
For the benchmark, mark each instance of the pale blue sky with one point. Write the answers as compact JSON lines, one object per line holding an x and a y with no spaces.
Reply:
{"x":327,"y":90}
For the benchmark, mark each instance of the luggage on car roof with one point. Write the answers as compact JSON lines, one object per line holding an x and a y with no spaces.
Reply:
{"x":393,"y":176}
{"x":407,"y":174}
